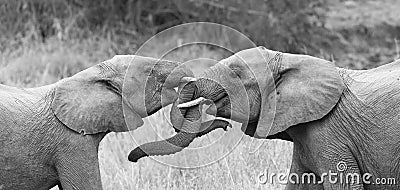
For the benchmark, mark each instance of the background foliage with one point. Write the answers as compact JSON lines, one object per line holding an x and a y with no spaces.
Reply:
{"x":318,"y":27}
{"x":277,"y":22}
{"x":283,"y":25}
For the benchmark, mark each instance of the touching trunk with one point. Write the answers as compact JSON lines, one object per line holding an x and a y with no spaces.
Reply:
{"x":191,"y":128}
{"x":201,"y":86}
{"x":169,"y":146}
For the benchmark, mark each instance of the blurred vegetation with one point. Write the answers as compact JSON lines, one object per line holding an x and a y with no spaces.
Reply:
{"x":283,"y":25}
{"x":302,"y":26}
{"x":57,"y":38}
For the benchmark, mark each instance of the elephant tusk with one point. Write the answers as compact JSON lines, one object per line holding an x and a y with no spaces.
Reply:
{"x":188,"y":79}
{"x":192,"y":103}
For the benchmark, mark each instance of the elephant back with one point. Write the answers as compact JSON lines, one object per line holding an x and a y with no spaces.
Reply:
{"x":374,"y":86}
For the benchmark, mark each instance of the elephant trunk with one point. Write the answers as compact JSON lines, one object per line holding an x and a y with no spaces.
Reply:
{"x":205,"y":88}
{"x":165,"y":147}
{"x":190,"y":128}
{"x":187,"y":124}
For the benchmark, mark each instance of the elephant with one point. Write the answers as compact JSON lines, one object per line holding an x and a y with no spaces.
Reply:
{"x":50,"y":135}
{"x":343,"y":123}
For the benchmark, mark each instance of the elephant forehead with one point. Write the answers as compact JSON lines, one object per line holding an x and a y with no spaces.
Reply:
{"x":138,"y":62}
{"x":146,"y":66}
{"x":122,"y":61}
{"x":256,"y":55}
{"x":134,"y":62}
{"x":253,"y":56}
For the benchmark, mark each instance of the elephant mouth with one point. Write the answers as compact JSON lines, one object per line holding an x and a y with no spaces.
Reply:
{"x":221,"y":98}
{"x":224,"y":98}
{"x":154,"y":110}
{"x":205,"y":89}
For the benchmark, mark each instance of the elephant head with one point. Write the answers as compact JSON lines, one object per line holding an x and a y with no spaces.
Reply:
{"x":282,"y":90}
{"x":92,"y":101}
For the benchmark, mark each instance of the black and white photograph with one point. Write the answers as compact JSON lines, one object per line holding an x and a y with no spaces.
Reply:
{"x":199,"y":95}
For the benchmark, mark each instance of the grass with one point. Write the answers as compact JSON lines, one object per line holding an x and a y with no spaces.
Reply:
{"x":238,"y":170}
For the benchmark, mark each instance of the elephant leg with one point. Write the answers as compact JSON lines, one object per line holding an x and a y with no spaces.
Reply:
{"x":339,"y":168}
{"x":79,"y":174}
{"x":297,"y":170}
{"x":78,"y":165}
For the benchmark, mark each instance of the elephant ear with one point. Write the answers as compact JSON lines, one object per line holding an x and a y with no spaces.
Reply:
{"x":306,"y":89}
{"x":87,"y":104}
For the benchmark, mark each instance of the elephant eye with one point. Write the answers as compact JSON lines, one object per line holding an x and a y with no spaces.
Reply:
{"x":148,"y":69}
{"x":237,"y":72}
{"x":110,"y":85}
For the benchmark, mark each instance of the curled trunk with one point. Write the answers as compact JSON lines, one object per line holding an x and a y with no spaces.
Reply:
{"x":166,"y":147}
{"x":191,"y":128}
{"x":200,"y":91}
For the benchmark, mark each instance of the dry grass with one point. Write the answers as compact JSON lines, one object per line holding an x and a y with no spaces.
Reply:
{"x":238,"y":170}
{"x":246,"y":157}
